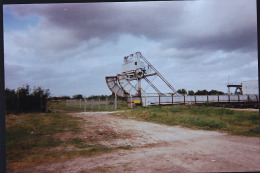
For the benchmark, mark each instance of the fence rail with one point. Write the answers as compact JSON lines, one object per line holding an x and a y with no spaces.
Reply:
{"x":160,"y":100}
{"x":92,"y":104}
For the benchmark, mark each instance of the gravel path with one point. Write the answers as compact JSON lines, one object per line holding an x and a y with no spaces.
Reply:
{"x":161,"y":148}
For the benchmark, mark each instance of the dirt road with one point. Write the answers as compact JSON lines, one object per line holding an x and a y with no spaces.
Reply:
{"x":161,"y":148}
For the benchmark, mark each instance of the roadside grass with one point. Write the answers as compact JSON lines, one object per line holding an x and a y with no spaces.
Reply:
{"x":204,"y":117}
{"x":60,"y":105}
{"x":29,"y":139}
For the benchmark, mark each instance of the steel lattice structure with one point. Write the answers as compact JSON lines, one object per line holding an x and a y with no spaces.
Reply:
{"x":136,"y":68}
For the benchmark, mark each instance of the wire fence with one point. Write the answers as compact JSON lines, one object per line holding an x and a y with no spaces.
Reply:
{"x":95,"y":104}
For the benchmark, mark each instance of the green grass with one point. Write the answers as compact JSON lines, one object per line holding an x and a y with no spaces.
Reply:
{"x":30,"y":139}
{"x":28,"y":132}
{"x":201,"y":117}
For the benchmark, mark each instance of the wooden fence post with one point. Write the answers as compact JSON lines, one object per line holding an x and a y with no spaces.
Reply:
{"x":172,"y":99}
{"x":85,"y":105}
{"x":195,"y":99}
{"x":184,"y":99}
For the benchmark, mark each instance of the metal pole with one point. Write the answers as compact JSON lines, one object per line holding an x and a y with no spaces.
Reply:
{"x":144,"y":100}
{"x":172,"y":99}
{"x":131,"y":101}
{"x":195,"y":98}
{"x":115,"y":101}
{"x":184,"y":99}
{"x":80,"y":103}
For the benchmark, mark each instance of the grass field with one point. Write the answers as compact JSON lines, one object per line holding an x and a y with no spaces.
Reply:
{"x":30,"y":139}
{"x":201,"y":117}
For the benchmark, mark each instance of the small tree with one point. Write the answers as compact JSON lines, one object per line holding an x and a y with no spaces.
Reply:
{"x":215,"y":92}
{"x":78,"y":97}
{"x":201,"y":92}
{"x":182,"y":91}
{"x":191,"y":92}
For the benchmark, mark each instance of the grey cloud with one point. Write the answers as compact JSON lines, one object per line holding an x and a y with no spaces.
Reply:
{"x":244,"y":40}
{"x":106,"y":21}
{"x":202,"y":25}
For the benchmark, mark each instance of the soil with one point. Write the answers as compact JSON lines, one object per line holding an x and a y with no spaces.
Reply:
{"x":157,"y":148}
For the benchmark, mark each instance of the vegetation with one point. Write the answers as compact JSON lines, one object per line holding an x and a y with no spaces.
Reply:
{"x":212,"y":92}
{"x":200,"y":117}
{"x":31,"y":139}
{"x":182,"y":91}
{"x":78,"y":97}
{"x":200,"y":92}
{"x":191,"y":92}
{"x":104,"y":97}
{"x":22,"y":100}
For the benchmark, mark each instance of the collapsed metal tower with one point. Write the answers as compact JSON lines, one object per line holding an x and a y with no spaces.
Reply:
{"x":136,"y":68}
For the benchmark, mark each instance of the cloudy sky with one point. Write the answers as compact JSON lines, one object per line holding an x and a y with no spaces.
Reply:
{"x":70,"y":48}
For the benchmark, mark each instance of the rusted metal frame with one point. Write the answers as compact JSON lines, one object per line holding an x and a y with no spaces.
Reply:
{"x":152,"y":74}
{"x":127,"y":92}
{"x":150,"y":83}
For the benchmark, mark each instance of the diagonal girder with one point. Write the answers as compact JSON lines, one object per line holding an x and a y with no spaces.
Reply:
{"x":152,"y":85}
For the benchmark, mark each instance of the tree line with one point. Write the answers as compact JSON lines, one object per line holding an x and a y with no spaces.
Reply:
{"x":23,"y":99}
{"x":80,"y":96}
{"x":200,"y":92}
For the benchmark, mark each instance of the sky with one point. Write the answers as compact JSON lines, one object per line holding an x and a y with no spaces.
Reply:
{"x":71,"y":48}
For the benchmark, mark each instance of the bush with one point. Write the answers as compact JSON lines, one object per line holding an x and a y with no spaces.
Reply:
{"x":22,"y":100}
